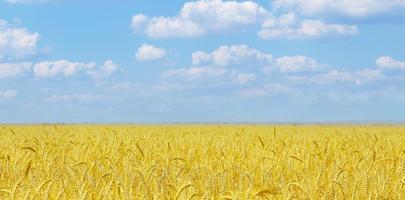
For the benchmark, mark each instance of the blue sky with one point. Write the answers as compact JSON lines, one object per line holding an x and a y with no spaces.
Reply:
{"x":201,"y":61}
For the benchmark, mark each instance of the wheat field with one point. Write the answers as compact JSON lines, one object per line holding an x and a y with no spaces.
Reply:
{"x":202,"y":162}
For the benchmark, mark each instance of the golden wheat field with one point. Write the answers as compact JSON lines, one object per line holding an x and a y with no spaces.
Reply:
{"x":202,"y":162}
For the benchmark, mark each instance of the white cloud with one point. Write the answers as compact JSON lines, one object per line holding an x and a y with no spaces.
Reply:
{"x":337,"y":76}
{"x":295,"y":64}
{"x":149,"y":52}
{"x":290,"y":27}
{"x":268,"y":89}
{"x":82,"y":98}
{"x":226,"y":56}
{"x":108,"y":68}
{"x":16,"y":43}
{"x":217,"y":14}
{"x":65,"y":68}
{"x":212,"y":68}
{"x":49,"y":69}
{"x":353,"y":8}
{"x":386,"y":62}
{"x":161,"y":27}
{"x":199,"y":17}
{"x":243,"y":55}
{"x":9,"y":70}
{"x":8,"y":94}
{"x":138,"y":22}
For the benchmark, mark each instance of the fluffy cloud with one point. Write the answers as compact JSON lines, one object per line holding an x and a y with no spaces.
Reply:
{"x":386,"y":62}
{"x":161,"y":27}
{"x":224,"y":65}
{"x":225,"y":56}
{"x":65,"y":68}
{"x":9,"y":70}
{"x":138,"y":22}
{"x":215,"y":67}
{"x":354,"y":8}
{"x":198,"y":17}
{"x":337,"y":76}
{"x":8,"y":94}
{"x":291,"y":27}
{"x":298,"y":63}
{"x":108,"y":68}
{"x":49,"y":69}
{"x":243,"y":55}
{"x":150,"y":52}
{"x":16,"y":43}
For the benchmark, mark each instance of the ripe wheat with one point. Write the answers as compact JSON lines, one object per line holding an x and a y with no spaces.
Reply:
{"x":202,"y":162}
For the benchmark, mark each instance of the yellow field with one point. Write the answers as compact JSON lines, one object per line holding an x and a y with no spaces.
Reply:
{"x":202,"y":162}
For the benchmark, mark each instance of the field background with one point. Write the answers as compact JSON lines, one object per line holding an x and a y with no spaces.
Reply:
{"x":202,"y":162}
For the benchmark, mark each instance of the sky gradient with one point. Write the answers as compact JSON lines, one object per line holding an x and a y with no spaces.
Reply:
{"x":202,"y":61}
